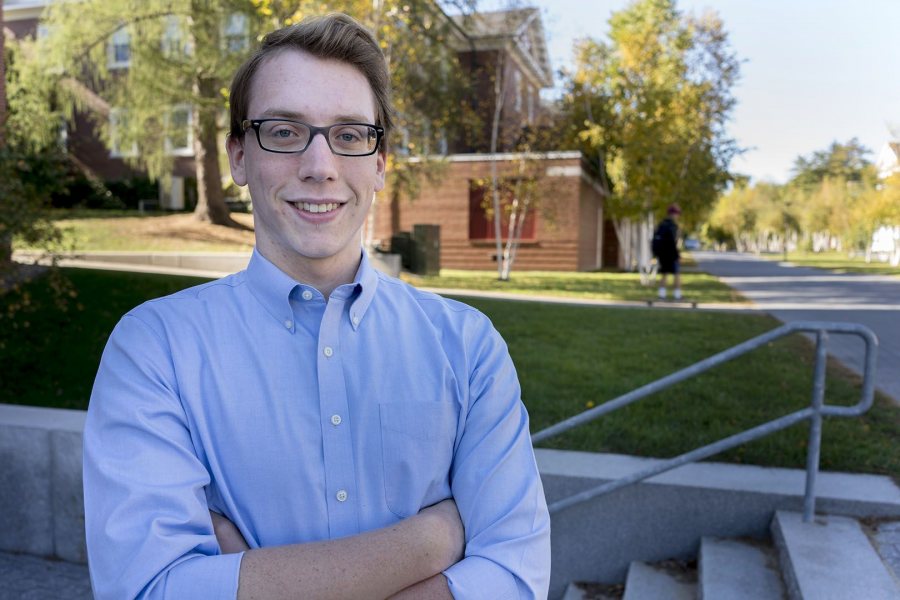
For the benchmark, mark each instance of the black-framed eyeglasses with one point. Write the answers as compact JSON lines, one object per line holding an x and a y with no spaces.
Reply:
{"x":292,"y":137}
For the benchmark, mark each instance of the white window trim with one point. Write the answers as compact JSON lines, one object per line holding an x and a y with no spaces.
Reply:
{"x":115,"y":115}
{"x":118,"y":38}
{"x":236,"y":27}
{"x":187,"y":150}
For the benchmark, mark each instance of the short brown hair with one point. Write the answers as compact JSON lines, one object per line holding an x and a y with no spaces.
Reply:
{"x":335,"y":36}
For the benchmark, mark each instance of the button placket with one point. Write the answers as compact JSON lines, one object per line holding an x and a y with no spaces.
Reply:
{"x":337,"y":442}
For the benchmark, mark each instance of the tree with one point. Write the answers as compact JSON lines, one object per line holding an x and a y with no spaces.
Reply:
{"x":649,"y":107}
{"x":846,"y":161}
{"x":178,"y":54}
{"x":5,"y":237}
{"x":832,"y":187}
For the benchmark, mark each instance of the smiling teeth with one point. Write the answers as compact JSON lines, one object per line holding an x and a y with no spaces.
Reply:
{"x":318,"y":208}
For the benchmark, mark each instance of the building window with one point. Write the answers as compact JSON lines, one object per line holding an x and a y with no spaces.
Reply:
{"x":179,"y":131}
{"x":481,"y":213}
{"x":236,"y":33}
{"x":175,"y":44}
{"x":118,"y":134}
{"x":119,"y":49}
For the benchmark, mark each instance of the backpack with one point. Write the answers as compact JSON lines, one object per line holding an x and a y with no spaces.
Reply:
{"x":656,"y":243}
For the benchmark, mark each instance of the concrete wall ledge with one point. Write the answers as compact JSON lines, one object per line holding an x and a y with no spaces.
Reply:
{"x":42,"y":506}
{"x":41,"y":500}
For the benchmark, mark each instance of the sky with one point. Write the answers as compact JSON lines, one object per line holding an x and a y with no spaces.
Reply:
{"x":813,"y":71}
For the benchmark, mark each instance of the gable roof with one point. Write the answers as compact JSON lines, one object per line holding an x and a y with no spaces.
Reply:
{"x":494,"y":30}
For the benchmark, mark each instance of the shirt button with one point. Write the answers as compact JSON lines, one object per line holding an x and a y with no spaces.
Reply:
{"x":288,"y":323}
{"x":335,"y":419}
{"x":341,"y":495}
{"x":355,"y":319}
{"x":306,"y":295}
{"x":328,"y":351}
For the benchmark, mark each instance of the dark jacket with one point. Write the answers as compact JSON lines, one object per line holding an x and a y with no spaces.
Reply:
{"x":665,"y":241}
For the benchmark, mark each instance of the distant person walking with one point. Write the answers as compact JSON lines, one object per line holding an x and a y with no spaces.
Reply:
{"x":665,"y":249}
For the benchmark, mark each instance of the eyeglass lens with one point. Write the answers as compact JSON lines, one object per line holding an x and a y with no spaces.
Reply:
{"x":291,"y":136}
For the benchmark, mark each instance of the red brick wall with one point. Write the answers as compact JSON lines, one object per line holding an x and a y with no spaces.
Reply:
{"x":565,"y":236}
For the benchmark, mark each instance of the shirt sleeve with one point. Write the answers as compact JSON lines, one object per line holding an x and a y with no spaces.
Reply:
{"x":497,"y":487}
{"x":149,"y":534}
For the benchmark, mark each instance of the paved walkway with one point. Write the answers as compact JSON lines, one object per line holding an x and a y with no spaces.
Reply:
{"x":24,"y":577}
{"x":792,"y":293}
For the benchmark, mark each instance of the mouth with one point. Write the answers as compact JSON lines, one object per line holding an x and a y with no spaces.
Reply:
{"x":316,"y":208}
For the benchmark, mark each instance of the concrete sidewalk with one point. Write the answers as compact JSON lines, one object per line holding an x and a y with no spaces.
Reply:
{"x":24,"y":577}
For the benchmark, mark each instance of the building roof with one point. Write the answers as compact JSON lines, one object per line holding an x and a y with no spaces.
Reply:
{"x":493,"y":30}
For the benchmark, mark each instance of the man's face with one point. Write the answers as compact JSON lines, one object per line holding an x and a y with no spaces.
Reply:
{"x":308,"y":208}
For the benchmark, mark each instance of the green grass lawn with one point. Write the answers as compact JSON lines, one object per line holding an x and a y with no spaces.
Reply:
{"x":569,"y":358}
{"x":698,"y":287}
{"x":839,"y":262}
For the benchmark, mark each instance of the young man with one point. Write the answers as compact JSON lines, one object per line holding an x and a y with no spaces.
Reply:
{"x":343,"y":434}
{"x":665,"y":248}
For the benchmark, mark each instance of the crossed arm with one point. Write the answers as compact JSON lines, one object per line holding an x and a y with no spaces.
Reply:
{"x":404,"y":560}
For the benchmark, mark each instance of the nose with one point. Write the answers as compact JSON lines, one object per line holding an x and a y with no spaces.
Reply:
{"x":318,"y":163}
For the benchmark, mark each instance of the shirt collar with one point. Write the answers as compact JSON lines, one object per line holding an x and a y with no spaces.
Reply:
{"x":272,"y":287}
{"x":366,"y":281}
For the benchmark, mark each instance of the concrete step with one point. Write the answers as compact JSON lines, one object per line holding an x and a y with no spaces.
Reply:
{"x":732,"y":569}
{"x":829,"y":558}
{"x":659,"y":582}
{"x":592,"y":591}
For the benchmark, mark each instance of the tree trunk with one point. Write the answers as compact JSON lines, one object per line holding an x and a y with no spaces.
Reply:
{"x":2,"y":81}
{"x":5,"y":238}
{"x":495,"y":134}
{"x":211,"y":205}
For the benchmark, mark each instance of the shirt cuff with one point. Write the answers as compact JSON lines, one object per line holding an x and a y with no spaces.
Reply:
{"x":206,"y":576}
{"x":478,"y":577}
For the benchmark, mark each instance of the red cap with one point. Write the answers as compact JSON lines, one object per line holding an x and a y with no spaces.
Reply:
{"x":673,"y":210}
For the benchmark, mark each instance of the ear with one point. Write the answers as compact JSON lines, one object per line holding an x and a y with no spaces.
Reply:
{"x":380,"y":167}
{"x":235,"y":149}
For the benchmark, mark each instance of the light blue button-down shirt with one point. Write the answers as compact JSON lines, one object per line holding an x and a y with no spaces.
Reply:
{"x":304,"y":419}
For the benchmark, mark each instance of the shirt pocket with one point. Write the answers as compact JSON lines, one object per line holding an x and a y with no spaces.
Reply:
{"x":417,"y":450}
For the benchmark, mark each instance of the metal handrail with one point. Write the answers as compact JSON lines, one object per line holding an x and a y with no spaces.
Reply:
{"x":814,"y":412}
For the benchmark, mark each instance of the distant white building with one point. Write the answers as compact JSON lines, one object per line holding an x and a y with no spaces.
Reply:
{"x":886,"y":240}
{"x":888,"y":160}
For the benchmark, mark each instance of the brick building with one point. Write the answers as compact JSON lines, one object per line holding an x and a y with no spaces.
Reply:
{"x":566,"y":229}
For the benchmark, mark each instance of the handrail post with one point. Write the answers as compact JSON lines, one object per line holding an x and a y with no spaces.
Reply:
{"x":815,"y":426}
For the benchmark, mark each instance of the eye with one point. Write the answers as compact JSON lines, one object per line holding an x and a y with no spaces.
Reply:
{"x":283,"y":132}
{"x":348,"y":135}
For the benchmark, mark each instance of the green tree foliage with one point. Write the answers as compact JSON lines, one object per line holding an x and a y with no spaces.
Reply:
{"x":29,"y":174}
{"x":650,"y":105}
{"x":758,"y":217}
{"x":846,"y":162}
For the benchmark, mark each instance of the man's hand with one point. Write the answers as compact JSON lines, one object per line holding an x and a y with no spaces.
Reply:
{"x":230,"y":539}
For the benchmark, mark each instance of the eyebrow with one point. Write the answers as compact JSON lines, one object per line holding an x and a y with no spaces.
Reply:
{"x":295,"y":116}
